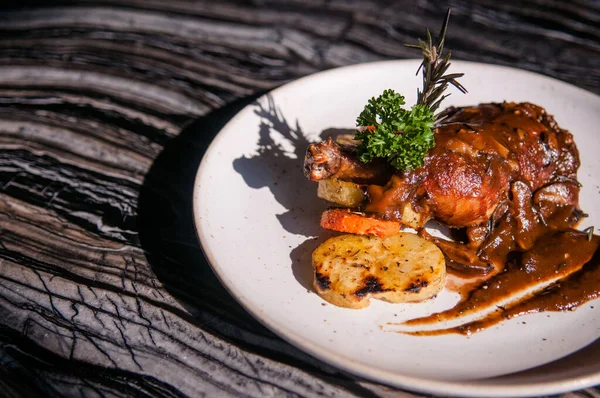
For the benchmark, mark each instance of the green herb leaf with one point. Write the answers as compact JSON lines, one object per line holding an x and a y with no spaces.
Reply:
{"x":402,"y":137}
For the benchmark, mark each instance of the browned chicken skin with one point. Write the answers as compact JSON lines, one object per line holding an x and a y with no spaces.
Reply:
{"x":480,"y":151}
{"x":328,"y":159}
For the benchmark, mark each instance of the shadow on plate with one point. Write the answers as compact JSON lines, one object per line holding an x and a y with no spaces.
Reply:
{"x":168,"y":237}
{"x":278,"y":166}
{"x":580,"y":364}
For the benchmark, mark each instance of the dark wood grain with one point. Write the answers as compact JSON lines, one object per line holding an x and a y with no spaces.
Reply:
{"x":106,"y":107}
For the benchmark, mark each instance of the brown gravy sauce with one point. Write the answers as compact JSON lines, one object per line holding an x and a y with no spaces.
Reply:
{"x":568,"y":258}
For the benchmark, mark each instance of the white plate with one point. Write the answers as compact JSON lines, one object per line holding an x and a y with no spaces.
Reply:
{"x":257,"y":218}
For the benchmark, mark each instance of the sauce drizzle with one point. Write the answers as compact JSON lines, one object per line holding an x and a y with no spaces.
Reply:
{"x":567,"y":257}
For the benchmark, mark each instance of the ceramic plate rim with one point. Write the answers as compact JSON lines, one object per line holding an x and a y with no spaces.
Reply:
{"x":474,"y":388}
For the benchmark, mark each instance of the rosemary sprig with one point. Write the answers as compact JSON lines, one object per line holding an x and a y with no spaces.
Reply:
{"x":434,"y":66}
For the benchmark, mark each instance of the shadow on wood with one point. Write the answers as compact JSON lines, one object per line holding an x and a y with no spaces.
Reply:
{"x":166,"y":226}
{"x":168,"y":236}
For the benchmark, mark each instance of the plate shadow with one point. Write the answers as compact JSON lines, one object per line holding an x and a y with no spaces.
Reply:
{"x":168,"y":236}
{"x":166,"y":225}
{"x":278,"y":166}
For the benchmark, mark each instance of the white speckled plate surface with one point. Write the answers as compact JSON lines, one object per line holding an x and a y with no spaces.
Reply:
{"x":257,"y":218}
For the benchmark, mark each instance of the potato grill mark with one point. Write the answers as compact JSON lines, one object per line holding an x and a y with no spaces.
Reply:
{"x":415,"y":287}
{"x":322,"y":280}
{"x":371,"y":285}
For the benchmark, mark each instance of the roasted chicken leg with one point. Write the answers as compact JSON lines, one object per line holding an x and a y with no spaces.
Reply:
{"x":494,"y":167}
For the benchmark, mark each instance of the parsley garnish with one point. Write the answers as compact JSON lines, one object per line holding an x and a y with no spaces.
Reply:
{"x":403,"y":137}
{"x":400,"y":136}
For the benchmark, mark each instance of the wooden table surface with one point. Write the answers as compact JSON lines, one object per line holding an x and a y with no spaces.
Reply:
{"x":106,"y":108}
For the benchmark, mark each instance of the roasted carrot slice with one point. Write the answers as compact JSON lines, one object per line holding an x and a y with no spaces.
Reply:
{"x":344,"y":220}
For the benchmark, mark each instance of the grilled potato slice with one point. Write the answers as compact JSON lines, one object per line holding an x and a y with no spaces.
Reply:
{"x":350,"y":269}
{"x":343,"y":193}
